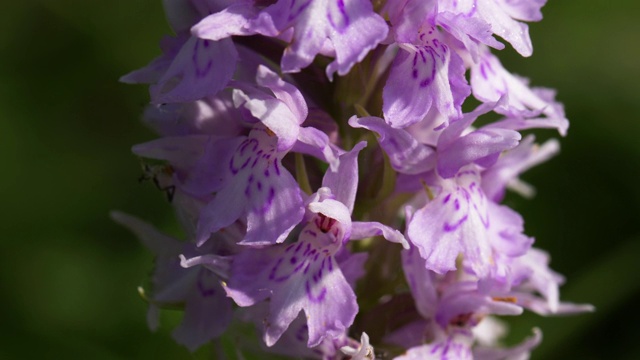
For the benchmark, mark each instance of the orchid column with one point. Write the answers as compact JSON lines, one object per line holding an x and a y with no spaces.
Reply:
{"x":302,"y":209}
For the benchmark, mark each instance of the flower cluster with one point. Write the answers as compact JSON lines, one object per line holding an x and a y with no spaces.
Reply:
{"x":301,"y":210}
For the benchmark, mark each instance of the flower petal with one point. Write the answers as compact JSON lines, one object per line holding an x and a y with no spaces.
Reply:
{"x":405,"y":153}
{"x":192,"y":74}
{"x":343,"y":180}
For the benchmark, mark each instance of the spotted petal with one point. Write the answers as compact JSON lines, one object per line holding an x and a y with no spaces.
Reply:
{"x":350,"y":26}
{"x":192,"y":74}
{"x":454,"y":222}
{"x":259,"y":188}
{"x":423,"y":76}
{"x":300,"y":276}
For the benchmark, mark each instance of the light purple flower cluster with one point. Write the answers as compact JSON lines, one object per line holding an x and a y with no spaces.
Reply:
{"x":263,"y":152}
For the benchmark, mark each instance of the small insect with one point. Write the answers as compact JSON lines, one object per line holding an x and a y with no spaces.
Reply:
{"x":162,"y":177}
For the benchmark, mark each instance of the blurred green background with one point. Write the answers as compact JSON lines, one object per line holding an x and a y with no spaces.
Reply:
{"x":69,"y":274}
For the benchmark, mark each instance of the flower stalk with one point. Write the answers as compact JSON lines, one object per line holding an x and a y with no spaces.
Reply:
{"x":296,"y":221}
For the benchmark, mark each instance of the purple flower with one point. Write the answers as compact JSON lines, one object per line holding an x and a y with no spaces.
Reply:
{"x":271,"y":199}
{"x":452,"y":308}
{"x":190,"y":68}
{"x":425,"y":73}
{"x":455,"y":146}
{"x":347,"y":29}
{"x":213,"y":115}
{"x":500,"y":16}
{"x":258,"y":187}
{"x":460,"y":220}
{"x":207,"y":311}
{"x":232,"y":129}
{"x":185,"y":72}
{"x":406,"y":154}
{"x":305,"y":275}
{"x":197,"y":161}
{"x":490,"y":82}
{"x":532,"y":275}
{"x":459,"y":145}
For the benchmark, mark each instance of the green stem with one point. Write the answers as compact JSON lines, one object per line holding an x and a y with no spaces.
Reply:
{"x":301,"y":175}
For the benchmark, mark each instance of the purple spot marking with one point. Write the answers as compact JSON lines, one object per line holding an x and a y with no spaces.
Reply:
{"x":243,"y":146}
{"x":232,"y":168}
{"x":298,"y":267}
{"x":446,"y":199}
{"x":269,"y":201}
{"x":205,"y":43}
{"x":200,"y":72}
{"x":294,"y":13}
{"x":272,"y":274}
{"x":429,"y":79}
{"x":319,"y":274}
{"x":449,"y":227}
{"x":245,"y":163}
{"x":484,"y":218}
{"x":456,"y":203}
{"x":274,"y":270}
{"x":343,"y":14}
{"x":311,"y":296}
{"x":275,"y":163}
{"x":293,"y":260}
{"x":266,"y":172}
{"x":343,"y":11}
{"x":446,"y":347}
{"x":483,"y":71}
{"x":259,"y":184}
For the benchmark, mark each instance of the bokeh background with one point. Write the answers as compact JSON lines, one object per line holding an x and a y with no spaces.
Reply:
{"x":69,"y":274}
